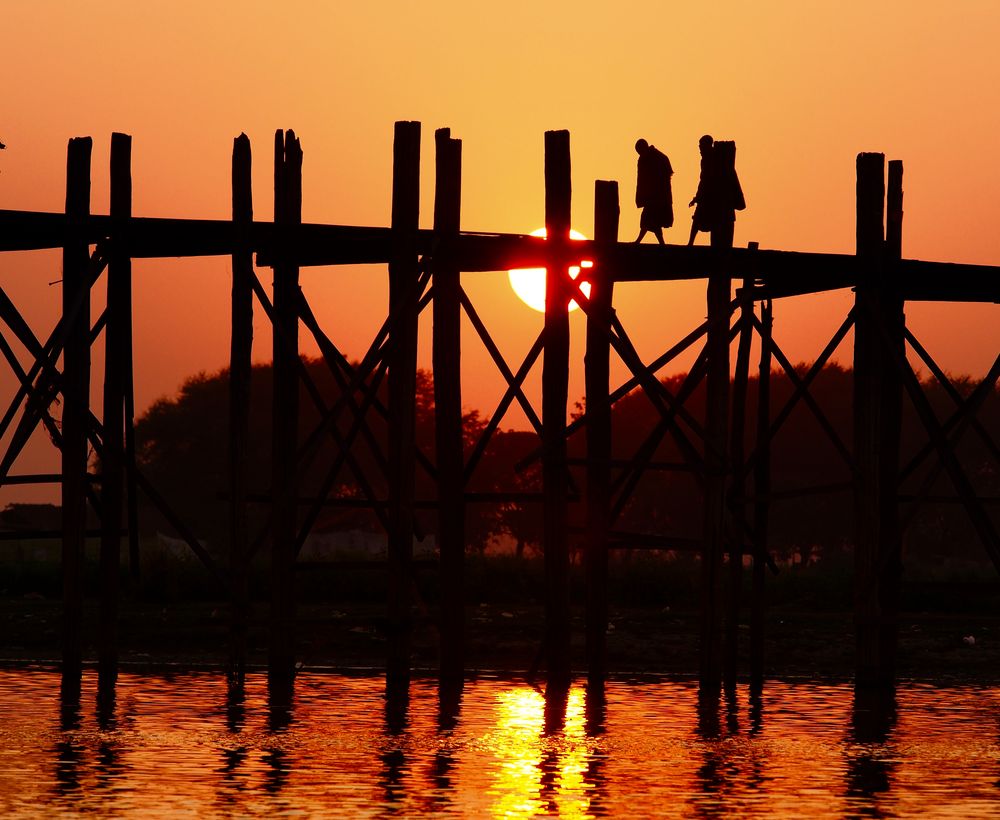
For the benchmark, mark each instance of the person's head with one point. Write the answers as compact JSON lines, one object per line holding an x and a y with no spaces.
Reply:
{"x":641,"y":146}
{"x":705,"y":144}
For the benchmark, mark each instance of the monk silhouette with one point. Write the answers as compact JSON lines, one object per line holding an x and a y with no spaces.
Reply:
{"x":719,"y":194}
{"x":652,"y":191}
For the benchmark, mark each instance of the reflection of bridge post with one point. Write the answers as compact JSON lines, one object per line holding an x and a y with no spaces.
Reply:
{"x":878,"y":342}
{"x":402,"y":357}
{"x":447,"y":351}
{"x":284,"y":448}
{"x":555,"y":386}
{"x":76,"y":405}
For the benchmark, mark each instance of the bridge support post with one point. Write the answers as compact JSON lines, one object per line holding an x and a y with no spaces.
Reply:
{"x":878,"y":341}
{"x":737,"y":490}
{"x":240,"y":352}
{"x":555,"y":385}
{"x":403,"y":271}
{"x":284,"y":449}
{"x":76,"y":408}
{"x":762,"y":503}
{"x":116,"y":360}
{"x":719,"y":295}
{"x":447,"y":346}
{"x":596,"y":367}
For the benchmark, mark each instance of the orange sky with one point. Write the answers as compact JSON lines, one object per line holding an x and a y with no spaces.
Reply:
{"x":801,"y":89}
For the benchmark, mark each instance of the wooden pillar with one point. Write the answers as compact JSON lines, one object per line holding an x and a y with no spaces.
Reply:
{"x":737,"y":490}
{"x":287,"y":215}
{"x":240,"y":351}
{"x":447,"y":360}
{"x":762,"y":503}
{"x":555,"y":385}
{"x":877,"y":412}
{"x":716,"y":427}
{"x":403,"y":272}
{"x":76,"y":403}
{"x":116,"y":360}
{"x":596,"y":367}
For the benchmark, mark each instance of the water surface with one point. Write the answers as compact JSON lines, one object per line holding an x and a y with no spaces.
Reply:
{"x":173,"y":745}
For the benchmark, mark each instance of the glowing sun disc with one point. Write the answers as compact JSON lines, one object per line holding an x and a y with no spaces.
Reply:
{"x":529,"y":283}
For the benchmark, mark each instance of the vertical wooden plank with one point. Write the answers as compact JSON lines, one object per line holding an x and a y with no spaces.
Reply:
{"x":867,"y":405}
{"x":596,"y":377}
{"x":447,"y":345}
{"x":716,"y":426}
{"x":555,"y":383}
{"x":403,"y":272}
{"x":891,"y":350}
{"x":762,"y":504}
{"x":287,"y":214}
{"x":115,"y":360}
{"x":76,"y":402}
{"x":240,"y":352}
{"x":737,"y":491}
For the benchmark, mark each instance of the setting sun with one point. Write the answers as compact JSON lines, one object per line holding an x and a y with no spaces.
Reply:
{"x":529,"y":283}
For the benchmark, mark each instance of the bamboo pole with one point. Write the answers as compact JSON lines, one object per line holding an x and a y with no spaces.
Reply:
{"x":447,"y":344}
{"x":402,"y":358}
{"x":115,"y":360}
{"x":240,"y":351}
{"x":287,"y":214}
{"x":555,"y":382}
{"x":597,"y":374}
{"x":76,"y":394}
{"x":762,"y":504}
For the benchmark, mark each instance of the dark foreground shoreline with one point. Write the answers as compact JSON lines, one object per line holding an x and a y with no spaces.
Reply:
{"x":934,"y":647}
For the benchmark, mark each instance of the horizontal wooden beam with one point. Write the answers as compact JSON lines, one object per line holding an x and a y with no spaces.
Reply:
{"x":774,"y":273}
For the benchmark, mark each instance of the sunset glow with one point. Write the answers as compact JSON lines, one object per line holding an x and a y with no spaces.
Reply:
{"x":529,"y":283}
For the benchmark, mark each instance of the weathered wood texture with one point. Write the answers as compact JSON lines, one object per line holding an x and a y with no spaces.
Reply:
{"x":288,"y":214}
{"x":447,"y":361}
{"x":598,"y":403}
{"x":240,"y":351}
{"x":555,"y":374}
{"x":402,"y":357}
{"x":76,"y":398}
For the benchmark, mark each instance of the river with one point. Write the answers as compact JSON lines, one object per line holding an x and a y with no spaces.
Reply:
{"x":172,"y":745}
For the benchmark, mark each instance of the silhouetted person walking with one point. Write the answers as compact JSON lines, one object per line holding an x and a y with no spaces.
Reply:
{"x":652,"y":191}
{"x":701,"y":220}
{"x":719,"y":194}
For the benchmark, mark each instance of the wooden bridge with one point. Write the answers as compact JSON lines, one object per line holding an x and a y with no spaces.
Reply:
{"x":425,"y":269}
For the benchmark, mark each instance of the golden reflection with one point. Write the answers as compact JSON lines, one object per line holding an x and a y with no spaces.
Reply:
{"x":539,"y":772}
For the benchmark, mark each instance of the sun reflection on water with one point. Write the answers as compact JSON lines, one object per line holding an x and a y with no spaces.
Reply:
{"x":539,"y":772}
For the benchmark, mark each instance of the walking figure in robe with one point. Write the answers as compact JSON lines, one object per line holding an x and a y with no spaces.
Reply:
{"x":719,"y":194}
{"x":652,"y":191}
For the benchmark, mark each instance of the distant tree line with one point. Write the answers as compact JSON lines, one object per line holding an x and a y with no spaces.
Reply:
{"x":183,"y":444}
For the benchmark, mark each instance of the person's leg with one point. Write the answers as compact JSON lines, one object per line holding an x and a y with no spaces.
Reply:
{"x":658,"y":233}
{"x":694,"y":233}
{"x":642,"y":233}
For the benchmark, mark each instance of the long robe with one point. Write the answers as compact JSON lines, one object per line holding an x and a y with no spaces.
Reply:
{"x":652,"y":190}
